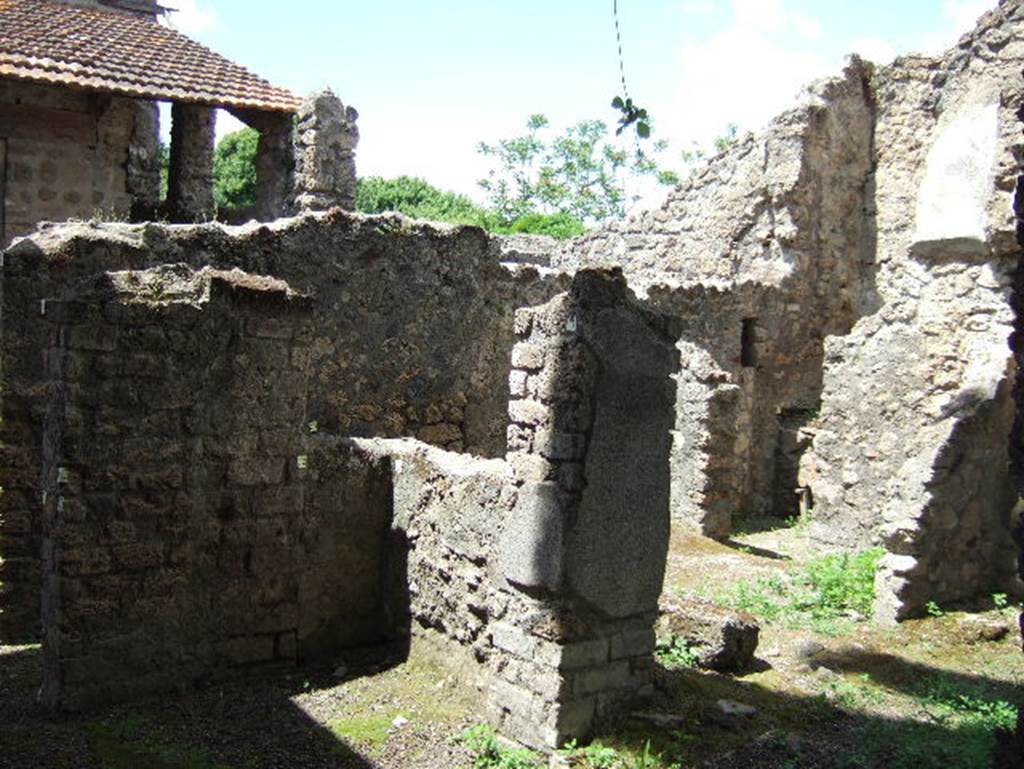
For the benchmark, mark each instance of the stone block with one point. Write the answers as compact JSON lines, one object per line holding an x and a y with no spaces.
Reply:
{"x":512,"y":698}
{"x":572,"y":719}
{"x":724,"y":639}
{"x":560,"y":446}
{"x":528,"y":356}
{"x":632,"y":643}
{"x":530,"y":550}
{"x":614,"y":675}
{"x":513,"y":640}
{"x":528,"y":412}
{"x":577,"y":655}
{"x":531,"y":468}
{"x":517,"y":384}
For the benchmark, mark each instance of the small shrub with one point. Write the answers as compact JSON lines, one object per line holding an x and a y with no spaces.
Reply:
{"x":483,"y":741}
{"x":676,"y":652}
{"x":934,"y":610}
{"x":593,"y":756}
{"x":828,"y":591}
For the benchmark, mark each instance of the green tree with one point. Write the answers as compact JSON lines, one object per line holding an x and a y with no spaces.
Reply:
{"x":419,"y":199}
{"x":234,"y":169}
{"x":582,"y":172}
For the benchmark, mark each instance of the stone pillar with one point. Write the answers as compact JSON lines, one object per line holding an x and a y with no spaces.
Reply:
{"x":324,"y":146}
{"x":585,"y":545}
{"x":275,"y":163}
{"x":143,"y":168}
{"x":190,"y":182}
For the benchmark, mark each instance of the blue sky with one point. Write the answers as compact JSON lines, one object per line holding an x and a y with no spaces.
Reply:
{"x":432,"y":79}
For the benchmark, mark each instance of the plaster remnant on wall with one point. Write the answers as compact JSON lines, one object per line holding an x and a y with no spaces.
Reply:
{"x":953,"y":198}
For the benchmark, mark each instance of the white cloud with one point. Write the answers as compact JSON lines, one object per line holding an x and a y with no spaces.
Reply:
{"x":959,"y":17}
{"x":192,"y":17}
{"x":746,"y":74}
{"x":766,"y":15}
{"x":964,"y":13}
{"x":806,"y":26}
{"x":874,"y":49}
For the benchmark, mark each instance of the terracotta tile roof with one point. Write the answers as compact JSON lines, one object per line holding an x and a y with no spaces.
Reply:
{"x":52,"y":42}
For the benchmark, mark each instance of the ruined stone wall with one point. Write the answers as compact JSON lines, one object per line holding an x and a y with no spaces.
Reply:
{"x":759,"y":252}
{"x":413,"y":334}
{"x":67,"y":155}
{"x":912,"y":447}
{"x":547,"y":565}
{"x":583,"y":552}
{"x":174,"y":546}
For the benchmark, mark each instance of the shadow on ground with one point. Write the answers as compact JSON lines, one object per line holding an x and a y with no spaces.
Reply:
{"x":849,"y":729}
{"x":250,"y":723}
{"x":256,"y":723}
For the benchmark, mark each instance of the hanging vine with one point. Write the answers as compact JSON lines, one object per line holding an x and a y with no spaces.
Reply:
{"x":631,"y":114}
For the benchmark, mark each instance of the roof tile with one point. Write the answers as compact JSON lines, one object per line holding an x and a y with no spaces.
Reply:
{"x":52,"y":42}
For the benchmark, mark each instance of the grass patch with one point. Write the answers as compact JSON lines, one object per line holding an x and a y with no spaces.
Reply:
{"x":367,"y":731}
{"x":827,"y":594}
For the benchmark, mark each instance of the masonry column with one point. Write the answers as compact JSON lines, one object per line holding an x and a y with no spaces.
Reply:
{"x":274,"y":165}
{"x":584,"y":548}
{"x":325,"y":142}
{"x":190,"y":181}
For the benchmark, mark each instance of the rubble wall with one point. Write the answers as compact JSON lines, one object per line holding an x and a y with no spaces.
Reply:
{"x":548,"y":565}
{"x":767,"y":240}
{"x":912,"y":449}
{"x":173,"y":547}
{"x":68,"y":156}
{"x":413,"y":330}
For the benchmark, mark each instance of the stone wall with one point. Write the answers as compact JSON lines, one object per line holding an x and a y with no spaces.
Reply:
{"x":174,"y":541}
{"x":768,"y":240}
{"x":68,"y":155}
{"x":199,"y":515}
{"x":549,"y":564}
{"x":912,"y":448}
{"x":413,"y":330}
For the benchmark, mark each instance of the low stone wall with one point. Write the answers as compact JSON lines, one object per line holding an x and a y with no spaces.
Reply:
{"x":412,"y":335}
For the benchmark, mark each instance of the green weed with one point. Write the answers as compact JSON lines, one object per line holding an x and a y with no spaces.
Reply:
{"x":676,"y":652}
{"x":828,"y":592}
{"x":593,"y":756}
{"x":490,"y":753}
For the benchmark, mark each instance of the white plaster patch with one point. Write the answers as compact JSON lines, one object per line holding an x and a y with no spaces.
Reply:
{"x":958,"y":178}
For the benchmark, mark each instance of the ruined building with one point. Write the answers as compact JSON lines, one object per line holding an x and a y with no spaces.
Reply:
{"x":79,"y":137}
{"x":228,"y":446}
